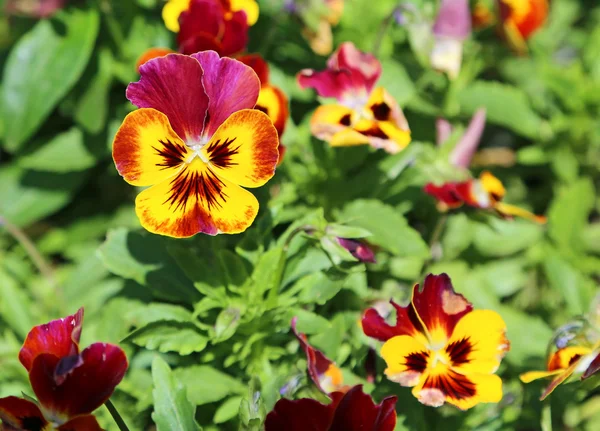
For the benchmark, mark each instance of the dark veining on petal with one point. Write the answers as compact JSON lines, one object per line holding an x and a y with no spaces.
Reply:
{"x":205,"y":187}
{"x":262,"y":109}
{"x":32,"y":423}
{"x":381,"y":111}
{"x":172,"y":154}
{"x":417,"y":361}
{"x":375,"y":132}
{"x":346,"y":120}
{"x":221,"y":154}
{"x":451,"y":384}
{"x":459,"y":351}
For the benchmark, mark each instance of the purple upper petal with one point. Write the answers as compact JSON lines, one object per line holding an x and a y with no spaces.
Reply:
{"x":453,"y":20}
{"x":173,"y":86}
{"x":465,"y":149}
{"x":443,"y":131}
{"x":230,"y":86}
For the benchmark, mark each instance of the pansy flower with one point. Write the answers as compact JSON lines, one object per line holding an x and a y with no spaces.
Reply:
{"x":441,"y":347}
{"x":364,"y":114}
{"x":563,"y":363}
{"x":197,"y":142}
{"x":271,"y":99}
{"x":486,"y":192}
{"x":452,"y":26}
{"x":323,"y":372}
{"x":173,"y":9}
{"x":350,"y":411}
{"x":319,"y":17}
{"x":69,"y":384}
{"x":209,"y":25}
{"x":520,"y":19}
{"x":359,"y":249}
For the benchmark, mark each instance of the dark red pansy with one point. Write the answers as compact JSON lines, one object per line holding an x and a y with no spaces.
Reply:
{"x":350,"y":411}
{"x":358,"y":249}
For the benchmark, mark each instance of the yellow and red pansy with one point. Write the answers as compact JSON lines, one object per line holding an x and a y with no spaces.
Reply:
{"x":520,"y":19}
{"x":323,"y":372}
{"x":441,"y":347}
{"x":320,"y":36}
{"x":563,"y":363}
{"x":364,"y":114}
{"x":271,"y":99}
{"x":173,"y":9}
{"x":69,"y":384}
{"x":350,"y":411}
{"x":197,"y":142}
{"x":486,"y":192}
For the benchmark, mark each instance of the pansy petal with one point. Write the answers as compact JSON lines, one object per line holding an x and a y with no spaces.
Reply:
{"x":173,"y":86}
{"x":250,"y":8}
{"x":320,"y":39}
{"x":364,"y":67}
{"x":592,"y":368}
{"x":478,"y":342}
{"x":406,"y":358}
{"x":81,"y":423}
{"x":207,"y":17}
{"x":530,"y":376}
{"x":329,"y":120}
{"x":327,"y":83}
{"x":151,"y":54}
{"x":244,"y":149}
{"x":323,"y":372}
{"x":385,"y":109}
{"x":383,"y":135}
{"x":564,"y":357}
{"x":356,"y":411}
{"x":560,"y":378}
{"x":273,"y":102}
{"x":302,"y":415}
{"x":464,"y":392}
{"x":509,"y":211}
{"x":463,"y":152}
{"x":258,"y":64}
{"x":446,"y":194}
{"x":235,"y":35}
{"x":59,"y":337}
{"x":196,"y":200}
{"x":201,"y":41}
{"x":230,"y":85}
{"x":439,"y":307}
{"x":171,"y":12}
{"x":23,"y":415}
{"x":407,"y":323}
{"x":146,"y":150}
{"x":85,"y":388}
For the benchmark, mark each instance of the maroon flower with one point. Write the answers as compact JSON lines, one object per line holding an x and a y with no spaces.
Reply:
{"x":68,"y":384}
{"x":358,"y":249}
{"x":350,"y":411}
{"x":207,"y":25}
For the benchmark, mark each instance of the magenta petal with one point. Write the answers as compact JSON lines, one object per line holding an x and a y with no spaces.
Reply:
{"x":83,"y":388}
{"x":453,"y":20}
{"x":327,"y":83}
{"x":59,"y":337}
{"x":357,"y":411}
{"x":365,"y":69}
{"x":173,"y":86}
{"x":443,"y":131}
{"x":465,"y":149}
{"x":230,"y":86}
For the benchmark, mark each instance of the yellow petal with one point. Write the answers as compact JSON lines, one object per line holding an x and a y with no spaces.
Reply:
{"x":273,"y":102}
{"x":478,"y":342}
{"x":171,"y":12}
{"x":492,"y":185}
{"x":244,"y":149}
{"x":406,"y":358}
{"x":512,"y":211}
{"x":530,"y":376}
{"x":249,"y":6}
{"x":146,"y":149}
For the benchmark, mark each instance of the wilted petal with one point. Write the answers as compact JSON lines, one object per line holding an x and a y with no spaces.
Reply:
{"x":59,"y":337}
{"x":592,"y":368}
{"x":173,"y":85}
{"x":465,"y":149}
{"x":230,"y":85}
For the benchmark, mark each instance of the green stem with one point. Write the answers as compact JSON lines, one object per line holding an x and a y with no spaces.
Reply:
{"x":116,"y":416}
{"x":38,"y":260}
{"x":383,"y":28}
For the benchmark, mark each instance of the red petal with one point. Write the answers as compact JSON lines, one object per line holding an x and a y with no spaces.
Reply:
{"x":59,"y":338}
{"x":357,"y":411}
{"x":19,"y":414}
{"x":375,"y":326}
{"x":302,"y":415}
{"x":83,"y":388}
{"x":258,"y":64}
{"x":81,"y":423}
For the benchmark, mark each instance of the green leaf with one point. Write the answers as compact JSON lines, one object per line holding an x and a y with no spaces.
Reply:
{"x":266,"y":277}
{"x":28,"y":196}
{"x":228,"y":410}
{"x":158,"y":311}
{"x":64,"y":153}
{"x":566,"y":280}
{"x":317,"y":288}
{"x":172,"y":409}
{"x":348,"y":232}
{"x":41,"y":68}
{"x":206,"y":384}
{"x":169,"y":336}
{"x":144,"y":258}
{"x":15,"y":306}
{"x":308,"y":322}
{"x":505,"y":237}
{"x":505,"y":105}
{"x":388,"y":227}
